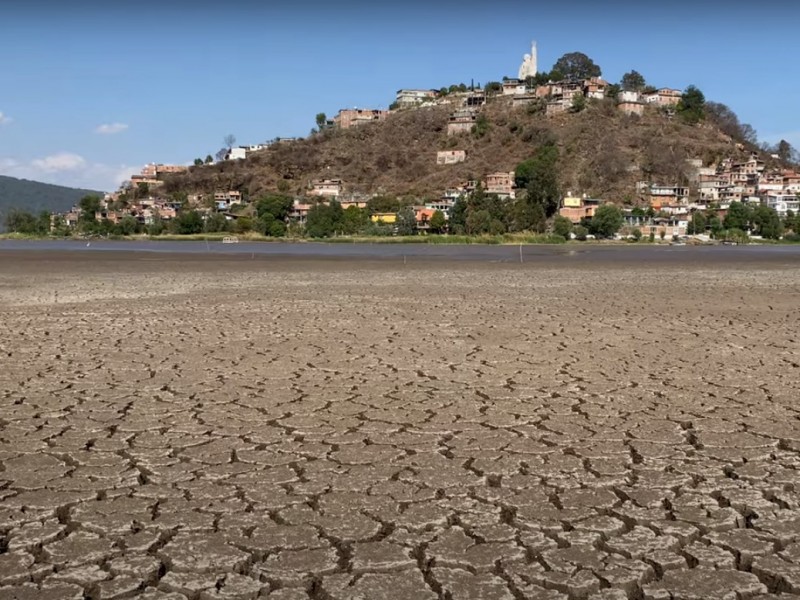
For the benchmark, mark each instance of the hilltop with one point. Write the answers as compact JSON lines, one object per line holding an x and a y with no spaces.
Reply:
{"x":602,"y":152}
{"x":34,"y":196}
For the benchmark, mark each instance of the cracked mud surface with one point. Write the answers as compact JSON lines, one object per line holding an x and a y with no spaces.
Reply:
{"x":226,"y":429}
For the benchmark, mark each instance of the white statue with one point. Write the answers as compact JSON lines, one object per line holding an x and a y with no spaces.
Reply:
{"x":528,"y":67}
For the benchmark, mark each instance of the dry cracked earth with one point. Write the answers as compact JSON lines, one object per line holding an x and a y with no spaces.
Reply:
{"x":173,"y":427}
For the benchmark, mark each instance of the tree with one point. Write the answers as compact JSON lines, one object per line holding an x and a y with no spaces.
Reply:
{"x":438,"y":222}
{"x":89,"y":205}
{"x":578,"y":103}
{"x":322,"y":120}
{"x":383,"y":204}
{"x":785,"y":151}
{"x":539,"y":176}
{"x":481,"y":127}
{"x":128,"y":225}
{"x":493,"y":87}
{"x":576,"y":65}
{"x":355,"y":220}
{"x":198,"y":162}
{"x":216,"y":222}
{"x":562,"y":226}
{"x":727,"y":121}
{"x":188,"y":222}
{"x":209,"y":159}
{"x":406,"y":221}
{"x":633,"y":81}
{"x":458,"y":215}
{"x":606,"y":221}
{"x":767,"y":222}
{"x":737,"y":217}
{"x":479,"y":222}
{"x":691,"y":107}
{"x":580,"y":232}
{"x":229,"y":140}
{"x":697,"y":224}
{"x":324,"y":220}
{"x":278,"y":206}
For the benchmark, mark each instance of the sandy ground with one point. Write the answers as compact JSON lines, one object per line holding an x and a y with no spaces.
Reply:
{"x":200,"y":427}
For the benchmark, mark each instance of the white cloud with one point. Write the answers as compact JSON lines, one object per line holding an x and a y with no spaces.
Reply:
{"x":70,"y":169}
{"x":4,"y":118}
{"x":64,"y":161}
{"x":110,"y":128}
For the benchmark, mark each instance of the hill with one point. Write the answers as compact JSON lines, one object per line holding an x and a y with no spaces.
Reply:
{"x":602,"y":153}
{"x":35,"y":197}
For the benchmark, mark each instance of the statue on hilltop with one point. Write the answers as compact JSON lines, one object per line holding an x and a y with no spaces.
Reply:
{"x":528,"y":67}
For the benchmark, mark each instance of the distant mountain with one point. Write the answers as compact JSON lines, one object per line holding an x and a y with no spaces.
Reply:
{"x":35,"y":197}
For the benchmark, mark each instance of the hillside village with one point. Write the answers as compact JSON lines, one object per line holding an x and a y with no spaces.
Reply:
{"x":696,"y":202}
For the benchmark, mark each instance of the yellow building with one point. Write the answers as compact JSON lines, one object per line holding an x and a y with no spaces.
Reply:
{"x":386,"y":218}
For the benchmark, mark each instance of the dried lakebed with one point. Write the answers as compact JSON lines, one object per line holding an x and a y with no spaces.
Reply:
{"x":216,"y":428}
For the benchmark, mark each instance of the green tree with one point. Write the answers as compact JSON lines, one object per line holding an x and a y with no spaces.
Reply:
{"x":438,"y":222}
{"x":737,"y":217}
{"x":354,"y":220}
{"x":633,"y":81}
{"x":128,"y":225}
{"x":580,"y":232}
{"x":637,"y":234}
{"x":691,"y":107}
{"x":198,"y":162}
{"x":458,"y":215}
{"x":767,"y":222}
{"x":478,"y":222}
{"x":562,"y":226}
{"x":576,"y":65}
{"x":89,"y":205}
{"x":383,"y":204}
{"x":607,"y":220}
{"x":209,"y":159}
{"x":481,"y":127}
{"x":785,"y":151}
{"x":277,"y":205}
{"x":322,"y":120}
{"x":324,"y":220}
{"x":697,"y":224}
{"x":578,"y":103}
{"x":188,"y":222}
{"x":539,"y":176}
{"x":215,"y":222}
{"x":493,"y":87}
{"x":406,"y":221}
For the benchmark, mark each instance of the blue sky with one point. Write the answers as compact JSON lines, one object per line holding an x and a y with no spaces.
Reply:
{"x":89,"y":92}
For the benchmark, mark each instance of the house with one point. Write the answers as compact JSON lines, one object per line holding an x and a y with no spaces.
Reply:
{"x":782,"y":203}
{"x":595,"y":87}
{"x":514,"y":87}
{"x":659,"y":227}
{"x":384,"y":218}
{"x":577,"y":209}
{"x":663,"y":97}
{"x":422,"y":216}
{"x":408,"y":98}
{"x":555,"y":107}
{"x":328,"y":188}
{"x":462,"y":121}
{"x":523,"y":99}
{"x":475,"y":99}
{"x":299,"y":211}
{"x":225,"y":200}
{"x":352,"y":117}
{"x":450,"y":157}
{"x":630,"y":103}
{"x":660,"y":195}
{"x":239,"y":153}
{"x":500,"y":183}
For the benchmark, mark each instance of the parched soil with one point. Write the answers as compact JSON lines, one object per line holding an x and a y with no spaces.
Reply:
{"x":216,"y":428}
